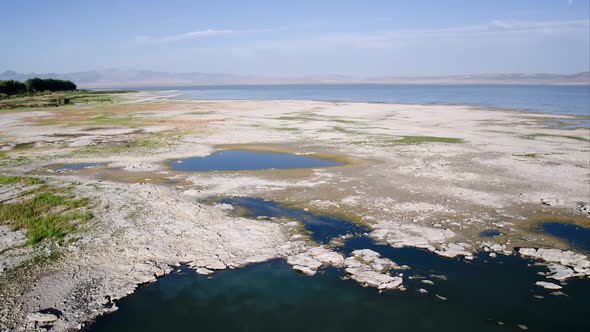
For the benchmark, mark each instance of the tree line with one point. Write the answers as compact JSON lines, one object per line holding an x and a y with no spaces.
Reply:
{"x":33,"y":85}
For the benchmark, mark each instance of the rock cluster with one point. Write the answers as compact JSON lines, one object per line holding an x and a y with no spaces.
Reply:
{"x":368,"y":268}
{"x":564,"y":264}
{"x":365,"y":266}
{"x":310,"y":261}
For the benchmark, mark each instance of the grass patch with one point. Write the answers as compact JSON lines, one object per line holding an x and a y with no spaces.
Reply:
{"x":45,"y":214}
{"x":107,"y":120}
{"x":7,"y":179}
{"x":426,"y":139}
{"x":23,"y":146}
{"x":577,"y":138}
{"x":406,"y":140}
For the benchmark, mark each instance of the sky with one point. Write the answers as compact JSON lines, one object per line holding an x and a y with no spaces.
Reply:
{"x":299,"y":37}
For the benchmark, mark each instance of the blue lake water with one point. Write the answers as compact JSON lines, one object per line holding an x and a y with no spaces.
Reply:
{"x":574,"y":100}
{"x":236,"y":160}
{"x":486,"y":294}
{"x":577,"y":236}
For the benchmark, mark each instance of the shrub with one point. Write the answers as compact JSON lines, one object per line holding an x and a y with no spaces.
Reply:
{"x":12,"y":87}
{"x":38,"y":84}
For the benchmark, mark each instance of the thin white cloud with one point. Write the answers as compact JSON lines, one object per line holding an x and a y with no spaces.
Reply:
{"x":498,"y":29}
{"x":182,"y":37}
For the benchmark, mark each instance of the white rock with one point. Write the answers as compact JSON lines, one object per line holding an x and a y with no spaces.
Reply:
{"x":304,"y":269}
{"x":42,"y":318}
{"x":204,"y":271}
{"x":310,"y":261}
{"x":547,"y":285}
{"x":367,"y":267}
{"x":565,"y":264}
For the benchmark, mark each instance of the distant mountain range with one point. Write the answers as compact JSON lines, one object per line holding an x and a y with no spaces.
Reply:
{"x":111,"y":78}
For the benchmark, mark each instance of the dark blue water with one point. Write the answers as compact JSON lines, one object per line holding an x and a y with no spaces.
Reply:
{"x":236,"y":160}
{"x":272,"y":297}
{"x":573,"y":100}
{"x":482,"y":295}
{"x":76,"y":167}
{"x":577,"y":236}
{"x":322,"y":228}
{"x":490,"y":233}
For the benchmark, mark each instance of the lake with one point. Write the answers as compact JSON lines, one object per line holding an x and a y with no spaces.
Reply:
{"x":571,"y":100}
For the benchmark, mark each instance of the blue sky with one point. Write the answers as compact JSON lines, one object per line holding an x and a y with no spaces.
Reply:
{"x":296,"y":38}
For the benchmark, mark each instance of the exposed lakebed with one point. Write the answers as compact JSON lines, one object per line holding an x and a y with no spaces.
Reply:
{"x":75,"y":167}
{"x":485,"y":294}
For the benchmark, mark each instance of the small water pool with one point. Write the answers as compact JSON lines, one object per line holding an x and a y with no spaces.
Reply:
{"x":577,"y":236}
{"x":490,"y":233}
{"x":238,"y":160}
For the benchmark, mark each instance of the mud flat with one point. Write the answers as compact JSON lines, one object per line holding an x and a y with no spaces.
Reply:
{"x":428,"y":177}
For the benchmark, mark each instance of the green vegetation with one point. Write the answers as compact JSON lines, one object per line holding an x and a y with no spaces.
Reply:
{"x":426,"y":139}
{"x":45,"y":213}
{"x":49,"y":84}
{"x":34,"y":85}
{"x":527,"y":155}
{"x":577,"y":138}
{"x":12,"y":87}
{"x":7,"y":179}
{"x":407,"y":140}
{"x":116,"y":120}
{"x":57,"y":98}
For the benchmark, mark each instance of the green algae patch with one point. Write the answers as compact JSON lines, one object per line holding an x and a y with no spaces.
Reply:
{"x":577,"y":138}
{"x":45,"y":213}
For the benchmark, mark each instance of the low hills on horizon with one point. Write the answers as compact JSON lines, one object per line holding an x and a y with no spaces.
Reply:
{"x":112,"y":78}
